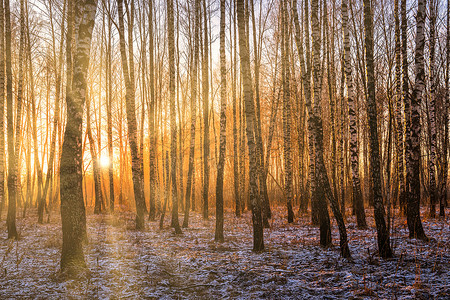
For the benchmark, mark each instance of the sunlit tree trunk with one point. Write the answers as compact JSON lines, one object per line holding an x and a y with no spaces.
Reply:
{"x":321,"y":173}
{"x":406,"y":100}
{"x":242,"y":149}
{"x":13,"y":148}
{"x":342,"y":140}
{"x":128,"y":74}
{"x":18,"y":136}
{"x":109,"y":103}
{"x":205,"y":90}
{"x":333,"y":49}
{"x":223,"y":126}
{"x":273,"y":112}
{"x":98,"y":123}
{"x":398,"y":104}
{"x":331,"y":79}
{"x":443,"y":198}
{"x":237,"y":195}
{"x":357,"y":194}
{"x":319,"y":211}
{"x":286,"y":112}
{"x":200,"y":105}
{"x":121,"y":151}
{"x":305,"y":63}
{"x":413,"y":203}
{"x":173,"y":125}
{"x":37,"y":165}
{"x":166,"y":183}
{"x":151,"y":118}
{"x":194,"y":68}
{"x":244,"y":53}
{"x":388,"y":186}
{"x":73,"y":215}
{"x":384,"y":247}
{"x":30,"y":191}
{"x":58,"y":62}
{"x":258,"y":134}
{"x":2,"y":108}
{"x":94,"y":157}
{"x":432,"y":110}
{"x":181,"y":106}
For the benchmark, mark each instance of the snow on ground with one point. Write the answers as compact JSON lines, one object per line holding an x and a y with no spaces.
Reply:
{"x":157,"y":264}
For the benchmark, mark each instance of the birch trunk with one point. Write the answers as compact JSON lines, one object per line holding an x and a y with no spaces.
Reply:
{"x":321,"y":173}
{"x":73,"y":215}
{"x":151,"y":119}
{"x":173,"y":125}
{"x":13,"y":138}
{"x":95,"y":161}
{"x":2,"y":108}
{"x":357,"y":194}
{"x":244,"y":53}
{"x":11,"y":219}
{"x":258,"y":134}
{"x":319,"y":211}
{"x":413,"y":203}
{"x":128,"y":74}
{"x":406,"y":101}
{"x":331,"y":79}
{"x":398,"y":104}
{"x":109,"y":103}
{"x":285,"y":75}
{"x":342,"y":140}
{"x":194,"y":68}
{"x":443,"y":198}
{"x":384,"y":247}
{"x":56,"y":120}
{"x":223,"y":127}
{"x":432,"y":111}
{"x":205,"y":90}
{"x":41,"y":201}
{"x":237,"y":195}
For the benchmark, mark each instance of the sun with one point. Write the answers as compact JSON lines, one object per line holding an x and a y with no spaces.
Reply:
{"x":104,"y":161}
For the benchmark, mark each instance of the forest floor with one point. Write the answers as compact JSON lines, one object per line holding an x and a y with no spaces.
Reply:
{"x":124,"y":263}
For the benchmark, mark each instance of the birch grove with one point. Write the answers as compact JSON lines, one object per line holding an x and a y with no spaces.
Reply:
{"x":276,"y":123}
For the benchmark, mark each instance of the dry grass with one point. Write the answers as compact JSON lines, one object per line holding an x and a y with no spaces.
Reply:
{"x":156,"y":263}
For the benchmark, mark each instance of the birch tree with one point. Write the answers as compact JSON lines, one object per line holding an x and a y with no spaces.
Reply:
{"x":223,"y":127}
{"x":73,"y":215}
{"x":398,"y":104}
{"x":194,"y":76}
{"x":443,"y":198}
{"x":432,"y":110}
{"x":2,"y":107}
{"x":321,"y":174}
{"x":12,"y":145}
{"x":109,"y":104}
{"x":286,"y":111}
{"x":384,"y":247}
{"x":95,"y":160}
{"x":57,"y":107}
{"x":128,"y":75}
{"x":414,"y":193}
{"x":249,"y":109}
{"x":41,"y":201}
{"x":205,"y":96}
{"x":173,"y":125}
{"x":319,"y":209}
{"x":406,"y":101}
{"x":233,"y":46}
{"x":357,"y":194}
